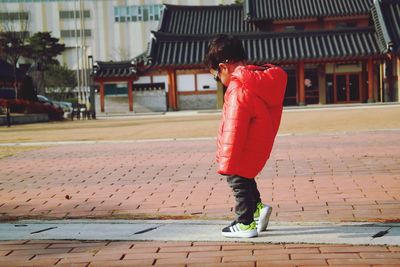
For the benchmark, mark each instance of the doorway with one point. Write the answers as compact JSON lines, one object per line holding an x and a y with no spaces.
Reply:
{"x":347,"y":88}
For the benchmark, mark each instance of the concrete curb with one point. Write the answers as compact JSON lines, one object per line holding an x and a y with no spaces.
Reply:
{"x":24,"y":118}
{"x":192,"y":230}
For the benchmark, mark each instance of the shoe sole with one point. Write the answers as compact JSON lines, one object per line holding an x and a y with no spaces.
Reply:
{"x":263,"y":223}
{"x":247,"y":234}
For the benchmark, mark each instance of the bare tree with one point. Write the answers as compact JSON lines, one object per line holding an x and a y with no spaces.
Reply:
{"x":13,"y":36}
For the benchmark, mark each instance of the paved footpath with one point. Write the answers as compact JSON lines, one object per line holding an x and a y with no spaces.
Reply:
{"x":309,"y":178}
{"x":341,"y":177}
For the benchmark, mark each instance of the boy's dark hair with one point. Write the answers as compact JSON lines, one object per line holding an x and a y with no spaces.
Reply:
{"x":224,"y":48}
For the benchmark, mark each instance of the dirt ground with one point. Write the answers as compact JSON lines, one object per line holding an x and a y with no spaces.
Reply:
{"x":196,"y":124}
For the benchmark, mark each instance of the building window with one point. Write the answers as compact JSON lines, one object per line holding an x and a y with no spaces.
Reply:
{"x":14,"y":16}
{"x":19,"y":34}
{"x":69,"y":14}
{"x":137,"y":13}
{"x":71,"y":33}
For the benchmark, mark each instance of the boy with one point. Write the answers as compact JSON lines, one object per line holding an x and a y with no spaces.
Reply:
{"x":250,"y":120}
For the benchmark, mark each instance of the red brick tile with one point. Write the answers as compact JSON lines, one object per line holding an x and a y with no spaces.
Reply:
{"x":293,"y":263}
{"x":65,"y":256}
{"x":48,"y":242}
{"x":213,"y":243}
{"x":24,"y":263}
{"x":269,"y":257}
{"x":381,"y":255}
{"x":237,"y":253}
{"x":190,"y":249}
{"x":23,"y":247}
{"x":11,"y":258}
{"x":325,"y":256}
{"x":307,"y":246}
{"x":13,"y":242}
{"x":155,"y":256}
{"x":49,"y":252}
{"x":77,"y":245}
{"x":305,"y":250}
{"x":345,"y":262}
{"x":394,"y":249}
{"x":144,"y":262}
{"x":127,"y":251}
{"x":230,"y":264}
{"x":162,"y":244}
{"x":272,"y":252}
{"x":73,"y":264}
{"x":261,"y":248}
{"x":353,"y":249}
{"x":188,"y":260}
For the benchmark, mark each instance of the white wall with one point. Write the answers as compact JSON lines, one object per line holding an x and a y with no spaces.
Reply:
{"x":143,"y":79}
{"x":185,"y":83}
{"x":161,"y":79}
{"x":206,"y":80}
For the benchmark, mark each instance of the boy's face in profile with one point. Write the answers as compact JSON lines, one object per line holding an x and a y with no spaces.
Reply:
{"x":222,"y":74}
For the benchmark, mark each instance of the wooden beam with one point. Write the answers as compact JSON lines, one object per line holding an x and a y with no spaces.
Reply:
{"x":114,"y":79}
{"x":370,"y":81}
{"x":300,"y":73}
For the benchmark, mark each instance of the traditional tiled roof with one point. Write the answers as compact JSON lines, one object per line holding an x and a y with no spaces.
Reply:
{"x":114,"y":69}
{"x":300,"y":9}
{"x":189,"y":50}
{"x":185,"y":31}
{"x":386,"y":16}
{"x":204,"y":20}
{"x":127,"y":68}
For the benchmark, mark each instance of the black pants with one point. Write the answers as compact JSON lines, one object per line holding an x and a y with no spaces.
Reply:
{"x":246,"y":195}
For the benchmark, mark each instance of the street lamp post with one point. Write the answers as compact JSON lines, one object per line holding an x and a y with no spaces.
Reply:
{"x":10,"y":47}
{"x":92,"y":100}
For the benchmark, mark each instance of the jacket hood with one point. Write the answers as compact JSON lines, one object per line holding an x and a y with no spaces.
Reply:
{"x":268,"y":82}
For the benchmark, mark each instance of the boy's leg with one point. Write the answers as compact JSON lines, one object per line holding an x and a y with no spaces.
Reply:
{"x":256,"y":193}
{"x":244,"y":226}
{"x":245,"y":202}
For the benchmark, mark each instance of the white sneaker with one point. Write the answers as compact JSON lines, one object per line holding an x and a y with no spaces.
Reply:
{"x":240,"y":230}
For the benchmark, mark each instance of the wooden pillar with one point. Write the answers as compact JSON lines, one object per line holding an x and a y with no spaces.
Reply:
{"x":322,"y":84}
{"x":102,"y":96}
{"x":363,"y":82}
{"x":370,"y":81}
{"x":172,"y":90}
{"x":300,"y":82}
{"x":130,"y":95}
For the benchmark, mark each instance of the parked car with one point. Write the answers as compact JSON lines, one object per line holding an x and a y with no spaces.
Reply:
{"x":7,"y":93}
{"x":65,"y":106}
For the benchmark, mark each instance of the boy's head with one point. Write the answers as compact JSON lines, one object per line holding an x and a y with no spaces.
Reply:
{"x":224,"y":54}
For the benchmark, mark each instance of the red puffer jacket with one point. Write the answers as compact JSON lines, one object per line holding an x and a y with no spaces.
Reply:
{"x":250,"y":119}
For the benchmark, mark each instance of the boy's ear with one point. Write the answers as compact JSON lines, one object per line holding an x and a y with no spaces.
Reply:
{"x":223,"y":66}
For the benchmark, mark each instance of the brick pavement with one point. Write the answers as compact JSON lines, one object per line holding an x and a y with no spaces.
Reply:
{"x":341,"y":177}
{"x":201,"y":254}
{"x":338,"y":177}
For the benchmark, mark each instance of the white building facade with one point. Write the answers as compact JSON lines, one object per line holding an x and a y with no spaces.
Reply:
{"x":104,"y":29}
